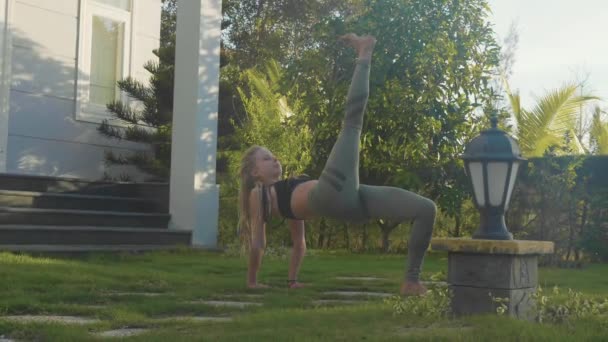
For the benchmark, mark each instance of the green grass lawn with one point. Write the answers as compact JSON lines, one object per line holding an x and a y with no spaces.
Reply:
{"x":150,"y":290}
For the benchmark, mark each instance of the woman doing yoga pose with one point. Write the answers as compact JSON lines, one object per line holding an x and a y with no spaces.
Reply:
{"x":336,"y":194}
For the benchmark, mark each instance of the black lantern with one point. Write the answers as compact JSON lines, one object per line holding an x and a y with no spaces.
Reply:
{"x":492,"y":161}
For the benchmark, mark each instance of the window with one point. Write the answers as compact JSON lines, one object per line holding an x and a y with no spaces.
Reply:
{"x":104,"y":55}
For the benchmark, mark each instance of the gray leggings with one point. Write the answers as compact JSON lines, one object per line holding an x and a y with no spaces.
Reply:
{"x":339,"y":195}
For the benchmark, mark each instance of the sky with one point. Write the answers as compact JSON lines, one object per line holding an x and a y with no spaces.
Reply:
{"x":559,"y":41}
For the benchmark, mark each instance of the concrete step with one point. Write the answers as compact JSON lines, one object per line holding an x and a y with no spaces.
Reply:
{"x":62,"y":217}
{"x":77,"y":249}
{"x":86,"y":237}
{"x":19,"y":182}
{"x":50,"y":200}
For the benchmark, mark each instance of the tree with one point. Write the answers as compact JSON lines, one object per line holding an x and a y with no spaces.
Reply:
{"x":599,"y":133}
{"x":551,"y":123}
{"x":431,"y":71}
{"x":271,"y":121}
{"x":433,"y":74}
{"x":147,"y":116}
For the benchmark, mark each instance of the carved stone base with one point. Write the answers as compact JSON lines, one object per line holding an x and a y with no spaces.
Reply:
{"x":483,"y":272}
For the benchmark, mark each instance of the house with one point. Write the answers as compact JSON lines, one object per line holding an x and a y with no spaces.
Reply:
{"x":62,"y":62}
{"x":59,"y":63}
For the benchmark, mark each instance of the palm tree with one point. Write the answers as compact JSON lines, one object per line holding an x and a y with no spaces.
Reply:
{"x":552,"y":121}
{"x":599,"y":133}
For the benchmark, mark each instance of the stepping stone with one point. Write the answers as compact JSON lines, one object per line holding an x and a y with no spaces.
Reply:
{"x":126,"y":332}
{"x":360,"y":278}
{"x":231,"y":304}
{"x":144,"y":294}
{"x":51,"y":319}
{"x":246,"y":295}
{"x":197,"y":319}
{"x":96,"y":307}
{"x":359,"y":294}
{"x":336,"y":302}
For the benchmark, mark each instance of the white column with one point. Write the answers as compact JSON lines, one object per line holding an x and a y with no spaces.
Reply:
{"x":5,"y":77}
{"x":194,"y":197}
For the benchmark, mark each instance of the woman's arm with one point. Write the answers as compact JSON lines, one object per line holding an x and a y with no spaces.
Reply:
{"x":257,"y":239}
{"x":298,"y":251}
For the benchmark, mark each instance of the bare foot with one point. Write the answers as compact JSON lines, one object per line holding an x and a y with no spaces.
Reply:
{"x":258,"y":286}
{"x":295,"y":285}
{"x":412,"y":289}
{"x":361,"y":44}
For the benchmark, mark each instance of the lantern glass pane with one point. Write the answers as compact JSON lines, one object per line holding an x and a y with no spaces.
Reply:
{"x":497,"y":181}
{"x":476,"y":174}
{"x":512,"y":183}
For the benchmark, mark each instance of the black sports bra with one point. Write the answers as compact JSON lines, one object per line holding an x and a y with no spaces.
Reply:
{"x":284,"y":188}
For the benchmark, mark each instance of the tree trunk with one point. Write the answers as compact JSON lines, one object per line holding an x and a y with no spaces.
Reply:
{"x":321,"y":239}
{"x":458,"y":224}
{"x":330,"y":235}
{"x":364,"y":237}
{"x":346,"y":236}
{"x":385,"y":241}
{"x":542,"y":216}
{"x":581,"y":230}
{"x":386,"y":228}
{"x":571,"y":228}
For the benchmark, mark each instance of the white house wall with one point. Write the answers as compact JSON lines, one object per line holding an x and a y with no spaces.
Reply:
{"x":44,"y":135}
{"x":4,"y":81}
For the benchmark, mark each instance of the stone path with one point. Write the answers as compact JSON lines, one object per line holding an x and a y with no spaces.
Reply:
{"x":143,"y":294}
{"x":225,"y":303}
{"x":342,"y":297}
{"x":358,"y":294}
{"x":125,"y":332}
{"x":51,"y":319}
{"x":361,"y":278}
{"x":336,"y":302}
{"x":197,"y":318}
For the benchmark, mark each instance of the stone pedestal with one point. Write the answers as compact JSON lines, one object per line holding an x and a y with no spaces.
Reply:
{"x":481,"y":270}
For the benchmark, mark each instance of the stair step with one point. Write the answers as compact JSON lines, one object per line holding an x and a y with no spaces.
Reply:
{"x":84,"y":248}
{"x":87,"y":236}
{"x":63,"y":217}
{"x":19,"y":182}
{"x":46,"y":200}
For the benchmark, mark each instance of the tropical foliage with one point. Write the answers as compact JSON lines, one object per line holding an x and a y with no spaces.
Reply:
{"x":551,"y":123}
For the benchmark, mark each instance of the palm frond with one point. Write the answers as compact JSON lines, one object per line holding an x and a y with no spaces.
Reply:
{"x":599,"y":134}
{"x":554,"y":115}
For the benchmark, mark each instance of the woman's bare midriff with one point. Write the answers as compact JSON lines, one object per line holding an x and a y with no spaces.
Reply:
{"x":299,"y":200}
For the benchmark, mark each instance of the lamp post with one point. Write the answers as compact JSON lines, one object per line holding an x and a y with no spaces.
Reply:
{"x":491,"y":162}
{"x":492,"y":264}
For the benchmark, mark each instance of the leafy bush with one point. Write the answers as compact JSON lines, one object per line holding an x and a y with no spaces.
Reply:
{"x":552,"y":309}
{"x":435,"y":304}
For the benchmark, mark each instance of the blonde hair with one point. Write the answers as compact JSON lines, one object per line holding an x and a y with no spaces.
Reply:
{"x":247,"y":183}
